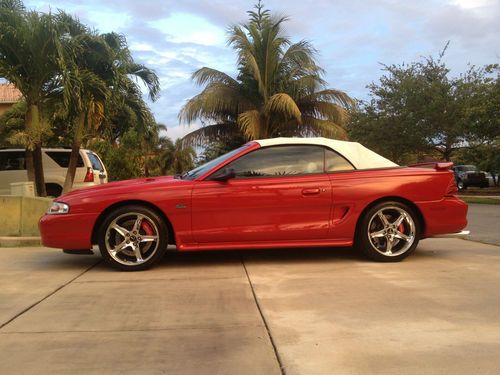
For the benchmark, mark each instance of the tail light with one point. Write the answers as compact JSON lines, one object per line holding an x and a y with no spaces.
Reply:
{"x":89,"y":176}
{"x":452,"y":189}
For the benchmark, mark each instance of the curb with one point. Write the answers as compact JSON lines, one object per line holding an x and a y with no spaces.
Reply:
{"x":479,"y":196}
{"x":20,"y":241}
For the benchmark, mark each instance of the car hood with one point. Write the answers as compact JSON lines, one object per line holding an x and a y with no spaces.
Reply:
{"x":121,"y":186}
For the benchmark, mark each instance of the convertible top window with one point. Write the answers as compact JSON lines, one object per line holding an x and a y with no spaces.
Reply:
{"x":334,"y":162}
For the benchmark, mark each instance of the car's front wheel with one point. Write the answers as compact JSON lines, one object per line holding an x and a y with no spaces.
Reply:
{"x":133,"y":238}
{"x":389,"y":232}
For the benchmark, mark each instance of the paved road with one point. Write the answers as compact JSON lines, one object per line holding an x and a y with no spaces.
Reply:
{"x":312,"y":311}
{"x":484,"y":223}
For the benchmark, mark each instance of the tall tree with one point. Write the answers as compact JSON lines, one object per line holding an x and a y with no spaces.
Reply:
{"x":29,"y":50}
{"x":418,"y":108}
{"x":279,"y":90}
{"x":98,"y":68}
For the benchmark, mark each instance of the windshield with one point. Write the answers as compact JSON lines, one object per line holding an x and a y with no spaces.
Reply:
{"x":202,"y":169}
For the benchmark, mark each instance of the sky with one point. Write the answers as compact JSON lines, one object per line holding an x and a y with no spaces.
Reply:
{"x":353,"y":37}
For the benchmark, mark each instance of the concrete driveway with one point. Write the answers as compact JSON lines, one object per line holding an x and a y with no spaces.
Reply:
{"x":322,"y":311}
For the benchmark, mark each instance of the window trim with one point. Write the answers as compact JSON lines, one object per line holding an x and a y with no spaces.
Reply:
{"x":208,"y":178}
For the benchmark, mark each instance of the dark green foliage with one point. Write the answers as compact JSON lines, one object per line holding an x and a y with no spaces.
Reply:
{"x":417,"y":109}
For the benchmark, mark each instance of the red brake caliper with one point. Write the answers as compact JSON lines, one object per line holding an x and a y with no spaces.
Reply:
{"x":401,"y":228}
{"x":147,"y":228}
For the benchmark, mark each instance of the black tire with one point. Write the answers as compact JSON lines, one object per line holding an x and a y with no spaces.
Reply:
{"x":461,"y":185}
{"x":53,"y":190}
{"x":377,"y":240}
{"x":126,"y":258}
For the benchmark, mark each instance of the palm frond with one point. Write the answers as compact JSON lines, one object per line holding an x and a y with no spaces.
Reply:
{"x":331,"y":95}
{"x":208,"y":75}
{"x":205,"y":134}
{"x":148,"y":77}
{"x":316,"y":127}
{"x":326,"y":111}
{"x":283,"y":104}
{"x":217,"y":102}
{"x":251,"y":124}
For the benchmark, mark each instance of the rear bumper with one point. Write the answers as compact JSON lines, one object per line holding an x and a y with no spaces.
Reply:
{"x":70,"y":231}
{"x":447,"y":216}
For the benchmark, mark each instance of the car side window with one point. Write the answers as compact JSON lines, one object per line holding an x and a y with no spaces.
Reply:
{"x":279,"y":161}
{"x":334,"y":162}
{"x":62,"y":158}
{"x":12,"y":161}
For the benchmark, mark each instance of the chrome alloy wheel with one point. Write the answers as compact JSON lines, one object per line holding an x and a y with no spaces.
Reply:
{"x":391,"y":231}
{"x":132,"y":239}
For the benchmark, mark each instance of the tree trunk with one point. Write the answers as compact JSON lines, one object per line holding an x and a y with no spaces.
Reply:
{"x":38,"y":167}
{"x":34,"y":163}
{"x":73,"y":161}
{"x":75,"y":152}
{"x":29,"y":165}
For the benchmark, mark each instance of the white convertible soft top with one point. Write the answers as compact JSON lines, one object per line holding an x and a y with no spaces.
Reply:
{"x":360,"y":156}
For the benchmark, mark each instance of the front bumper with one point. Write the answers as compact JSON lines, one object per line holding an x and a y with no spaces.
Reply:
{"x":67,"y":231}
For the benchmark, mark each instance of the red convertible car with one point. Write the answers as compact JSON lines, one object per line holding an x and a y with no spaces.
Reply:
{"x":281,"y":192}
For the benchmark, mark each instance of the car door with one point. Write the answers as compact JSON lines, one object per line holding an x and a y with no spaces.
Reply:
{"x":279,"y":193}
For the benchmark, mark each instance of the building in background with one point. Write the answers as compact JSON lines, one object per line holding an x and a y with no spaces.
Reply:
{"x":9,"y":95}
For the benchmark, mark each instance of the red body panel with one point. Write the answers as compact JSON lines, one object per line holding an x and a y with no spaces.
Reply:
{"x":287,"y":211}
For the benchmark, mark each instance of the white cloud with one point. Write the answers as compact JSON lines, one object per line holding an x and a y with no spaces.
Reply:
{"x":352,"y":36}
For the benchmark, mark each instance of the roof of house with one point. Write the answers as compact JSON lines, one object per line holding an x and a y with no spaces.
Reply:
{"x":360,"y":156}
{"x":9,"y":94}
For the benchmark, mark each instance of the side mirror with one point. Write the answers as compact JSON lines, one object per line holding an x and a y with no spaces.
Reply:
{"x":224,"y":175}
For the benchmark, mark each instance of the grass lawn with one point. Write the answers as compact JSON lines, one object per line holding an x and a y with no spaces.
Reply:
{"x":480,"y":200}
{"x":492,"y":190}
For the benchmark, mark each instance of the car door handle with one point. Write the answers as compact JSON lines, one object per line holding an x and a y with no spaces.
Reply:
{"x":310,"y":191}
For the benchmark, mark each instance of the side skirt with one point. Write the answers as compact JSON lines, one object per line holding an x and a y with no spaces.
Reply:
{"x":263,"y":245}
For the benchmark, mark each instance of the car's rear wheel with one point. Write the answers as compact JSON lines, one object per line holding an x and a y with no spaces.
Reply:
{"x":461,"y":185}
{"x":133,"y":238}
{"x":389,"y":232}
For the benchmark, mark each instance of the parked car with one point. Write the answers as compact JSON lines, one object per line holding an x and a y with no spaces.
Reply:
{"x":489,"y":177}
{"x":281,"y":192}
{"x":90,"y":170}
{"x":469,"y":175}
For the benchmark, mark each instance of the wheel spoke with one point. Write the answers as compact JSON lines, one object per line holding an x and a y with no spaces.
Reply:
{"x":399,"y":220}
{"x":137,"y":253}
{"x":383,"y":219}
{"x":137,"y":224}
{"x":380,"y":233}
{"x":148,"y":238}
{"x":119,"y":248}
{"x":122,"y":231}
{"x":403,"y":236}
{"x":388,"y":247}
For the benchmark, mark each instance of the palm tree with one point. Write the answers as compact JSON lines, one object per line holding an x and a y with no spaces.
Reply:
{"x":100,"y":67}
{"x":183,"y":158}
{"x":278,"y":91}
{"x":29,"y":48}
